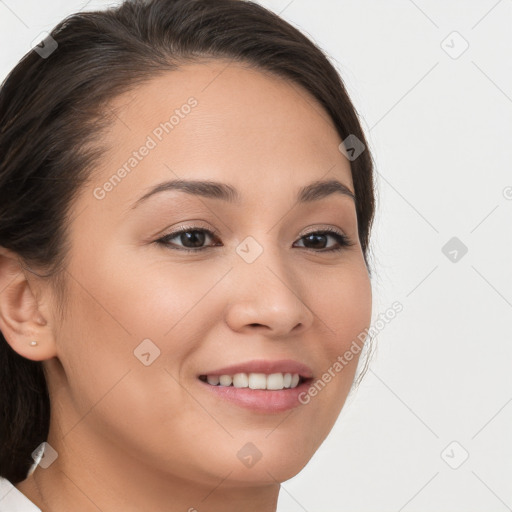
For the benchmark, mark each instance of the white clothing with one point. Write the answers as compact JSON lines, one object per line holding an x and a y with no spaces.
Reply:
{"x":12,"y":500}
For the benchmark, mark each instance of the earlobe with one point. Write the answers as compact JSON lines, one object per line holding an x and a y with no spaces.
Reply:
{"x":21,"y":321}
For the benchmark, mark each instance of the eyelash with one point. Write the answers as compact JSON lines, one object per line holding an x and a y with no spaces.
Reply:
{"x":343,"y":240}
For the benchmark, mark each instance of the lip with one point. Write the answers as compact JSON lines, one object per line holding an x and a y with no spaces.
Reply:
{"x":264,"y":366}
{"x":261,"y":400}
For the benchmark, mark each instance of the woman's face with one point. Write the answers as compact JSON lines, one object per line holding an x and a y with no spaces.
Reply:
{"x":145,"y":319}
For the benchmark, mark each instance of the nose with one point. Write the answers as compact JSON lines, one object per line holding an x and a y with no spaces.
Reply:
{"x":267,"y":296}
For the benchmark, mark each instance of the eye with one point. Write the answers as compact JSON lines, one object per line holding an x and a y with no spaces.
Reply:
{"x":192,"y":239}
{"x":320,"y":237}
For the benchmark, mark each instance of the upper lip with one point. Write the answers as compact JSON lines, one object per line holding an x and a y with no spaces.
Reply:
{"x":265,"y":366}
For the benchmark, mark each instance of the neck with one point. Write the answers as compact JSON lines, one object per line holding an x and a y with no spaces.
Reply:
{"x":88,"y":490}
{"x":109,"y":479}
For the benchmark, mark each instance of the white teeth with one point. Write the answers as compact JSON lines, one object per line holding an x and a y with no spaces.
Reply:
{"x":213,"y":379}
{"x":274,"y":381}
{"x":257,"y":381}
{"x":225,"y":380}
{"x":240,"y":380}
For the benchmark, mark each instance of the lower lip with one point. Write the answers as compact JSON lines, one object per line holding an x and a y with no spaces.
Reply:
{"x":261,"y":400}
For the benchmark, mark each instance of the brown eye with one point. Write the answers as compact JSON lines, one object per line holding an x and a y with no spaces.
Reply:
{"x":192,"y":239}
{"x":318,"y":239}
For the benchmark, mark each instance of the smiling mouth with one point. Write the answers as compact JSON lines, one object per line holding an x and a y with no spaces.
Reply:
{"x":270,"y":382}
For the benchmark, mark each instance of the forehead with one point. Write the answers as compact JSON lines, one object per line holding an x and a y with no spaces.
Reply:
{"x":223,"y":121}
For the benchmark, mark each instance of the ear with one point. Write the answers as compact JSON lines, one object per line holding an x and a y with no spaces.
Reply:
{"x":22,"y":316}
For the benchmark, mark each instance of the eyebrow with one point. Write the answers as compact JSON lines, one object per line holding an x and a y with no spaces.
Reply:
{"x":217,"y":190}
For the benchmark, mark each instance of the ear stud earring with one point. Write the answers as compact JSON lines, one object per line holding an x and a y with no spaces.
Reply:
{"x":33,"y":343}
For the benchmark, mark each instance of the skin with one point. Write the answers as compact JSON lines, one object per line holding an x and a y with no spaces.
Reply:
{"x":136,"y":437}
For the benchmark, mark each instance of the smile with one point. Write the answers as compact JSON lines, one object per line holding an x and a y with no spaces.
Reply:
{"x":262,"y":386}
{"x":273,"y":381}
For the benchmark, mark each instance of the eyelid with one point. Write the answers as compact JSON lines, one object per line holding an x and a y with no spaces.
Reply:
{"x":196,"y":225}
{"x":316,"y":229}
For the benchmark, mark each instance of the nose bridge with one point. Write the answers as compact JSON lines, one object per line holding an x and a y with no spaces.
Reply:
{"x":262,"y":259}
{"x":267,"y":291}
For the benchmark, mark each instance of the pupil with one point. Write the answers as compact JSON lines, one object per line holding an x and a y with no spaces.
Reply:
{"x":192,"y":236}
{"x":316,"y":238}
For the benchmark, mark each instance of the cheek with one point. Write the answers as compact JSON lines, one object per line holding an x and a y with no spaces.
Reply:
{"x":107,"y":381}
{"x":343,"y":306}
{"x":130,"y":322}
{"x":155,"y":297}
{"x":344,"y":309}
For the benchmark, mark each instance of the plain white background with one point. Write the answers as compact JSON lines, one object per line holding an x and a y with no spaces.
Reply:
{"x":438,"y":117}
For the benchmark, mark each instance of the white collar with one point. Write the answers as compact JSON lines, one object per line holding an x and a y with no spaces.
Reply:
{"x":12,"y":500}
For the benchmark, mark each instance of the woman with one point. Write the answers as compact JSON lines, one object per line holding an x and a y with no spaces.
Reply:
{"x":186,"y":203}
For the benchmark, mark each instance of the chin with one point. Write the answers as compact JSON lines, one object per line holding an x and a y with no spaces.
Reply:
{"x":269,"y":460}
{"x":279,"y":469}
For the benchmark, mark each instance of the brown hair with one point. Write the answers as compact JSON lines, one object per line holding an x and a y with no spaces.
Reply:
{"x":53,"y":110}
